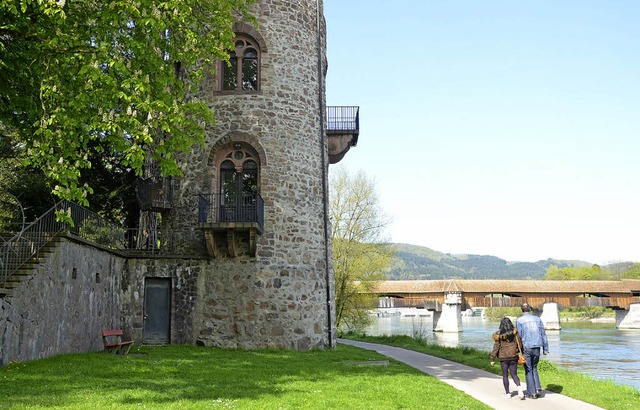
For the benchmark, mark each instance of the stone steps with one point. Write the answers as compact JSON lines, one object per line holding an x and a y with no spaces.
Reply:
{"x":17,"y":278}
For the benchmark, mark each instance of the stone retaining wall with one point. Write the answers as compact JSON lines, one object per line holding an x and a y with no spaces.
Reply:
{"x":71,"y":296}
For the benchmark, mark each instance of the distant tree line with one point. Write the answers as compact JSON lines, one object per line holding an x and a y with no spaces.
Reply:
{"x":595,"y":272}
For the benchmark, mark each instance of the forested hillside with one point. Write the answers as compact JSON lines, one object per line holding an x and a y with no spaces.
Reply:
{"x":421,"y":263}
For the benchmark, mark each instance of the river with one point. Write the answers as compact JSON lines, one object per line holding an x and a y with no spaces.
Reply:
{"x":598,"y":349}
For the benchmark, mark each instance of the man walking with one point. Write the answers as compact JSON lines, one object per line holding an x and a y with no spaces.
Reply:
{"x":534,"y":338}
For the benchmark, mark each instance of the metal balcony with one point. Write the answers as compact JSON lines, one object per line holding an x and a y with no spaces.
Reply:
{"x":155,"y":194}
{"x":243,"y":215}
{"x":343,"y":120}
{"x":343,"y":128}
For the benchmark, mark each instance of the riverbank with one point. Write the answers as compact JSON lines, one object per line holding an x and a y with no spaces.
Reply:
{"x":598,"y":349}
{"x":604,"y":319}
{"x":480,"y":384}
{"x":605,"y":394}
{"x":571,"y":314}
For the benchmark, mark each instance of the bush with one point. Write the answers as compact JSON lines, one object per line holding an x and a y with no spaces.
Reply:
{"x":585,"y":312}
{"x":495,"y":314}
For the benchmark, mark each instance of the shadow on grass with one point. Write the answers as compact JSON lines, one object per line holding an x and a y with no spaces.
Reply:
{"x":202,"y":377}
{"x":556,"y":388}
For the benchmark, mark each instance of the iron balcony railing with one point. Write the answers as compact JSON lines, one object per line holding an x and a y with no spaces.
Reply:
{"x":218,"y":209}
{"x":143,"y":241}
{"x":155,"y":194}
{"x":343,"y":120}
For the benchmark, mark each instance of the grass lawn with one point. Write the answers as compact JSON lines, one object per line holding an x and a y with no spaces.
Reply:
{"x":190,"y":377}
{"x":605,"y":394}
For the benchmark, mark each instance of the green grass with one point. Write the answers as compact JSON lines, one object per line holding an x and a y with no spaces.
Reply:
{"x":190,"y":377}
{"x":602,"y":393}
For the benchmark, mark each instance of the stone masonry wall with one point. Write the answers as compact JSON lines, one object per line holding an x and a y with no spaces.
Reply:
{"x":184,"y":275}
{"x":230,"y":303}
{"x":71,"y":296}
{"x":280,"y":307}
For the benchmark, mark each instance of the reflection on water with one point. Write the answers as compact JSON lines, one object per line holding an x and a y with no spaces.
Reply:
{"x":599,"y":349}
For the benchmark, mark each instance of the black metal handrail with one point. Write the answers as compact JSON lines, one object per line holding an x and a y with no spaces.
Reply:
{"x":216,"y":208}
{"x":343,"y":119}
{"x":25,"y":244}
{"x":89,"y":226}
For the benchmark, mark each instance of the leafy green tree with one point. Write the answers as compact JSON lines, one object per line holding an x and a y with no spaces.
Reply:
{"x":24,"y":193}
{"x":585,"y":312}
{"x":594,"y":272}
{"x":555,"y":273}
{"x":114,"y":194}
{"x":81,"y":78}
{"x":632,"y":273}
{"x":360,"y":256}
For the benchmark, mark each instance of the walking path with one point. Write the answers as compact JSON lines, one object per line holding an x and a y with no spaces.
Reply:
{"x":480,"y":384}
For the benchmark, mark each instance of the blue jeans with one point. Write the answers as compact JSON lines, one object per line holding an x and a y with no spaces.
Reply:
{"x":531,"y":369}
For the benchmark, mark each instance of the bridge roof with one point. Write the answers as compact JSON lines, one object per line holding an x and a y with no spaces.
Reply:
{"x":507,"y":286}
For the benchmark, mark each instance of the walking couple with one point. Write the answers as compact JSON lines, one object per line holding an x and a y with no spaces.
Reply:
{"x":527,"y":337}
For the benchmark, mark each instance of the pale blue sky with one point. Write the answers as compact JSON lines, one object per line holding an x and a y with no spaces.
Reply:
{"x":506,"y":128}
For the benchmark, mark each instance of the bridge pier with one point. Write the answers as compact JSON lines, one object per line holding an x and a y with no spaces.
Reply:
{"x":386,"y":302}
{"x":449,"y":320}
{"x":551,"y":316}
{"x":628,"y":319}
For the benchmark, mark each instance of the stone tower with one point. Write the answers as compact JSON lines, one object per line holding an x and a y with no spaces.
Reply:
{"x":251,"y":209}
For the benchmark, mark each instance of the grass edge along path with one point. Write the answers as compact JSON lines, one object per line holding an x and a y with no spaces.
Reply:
{"x":603,"y":393}
{"x":193,"y":377}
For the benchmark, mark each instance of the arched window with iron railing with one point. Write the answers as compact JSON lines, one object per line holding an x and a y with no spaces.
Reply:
{"x":236,"y":207}
{"x":238,"y":188}
{"x":237,"y":198}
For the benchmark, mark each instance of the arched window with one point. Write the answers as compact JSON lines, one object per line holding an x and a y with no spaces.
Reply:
{"x":243,"y":73}
{"x":239,"y":183}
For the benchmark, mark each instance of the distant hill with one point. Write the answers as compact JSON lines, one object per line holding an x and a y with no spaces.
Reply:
{"x":420,"y":263}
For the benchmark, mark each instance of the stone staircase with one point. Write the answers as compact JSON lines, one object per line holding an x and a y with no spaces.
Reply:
{"x":22,"y":274}
{"x":20,"y":254}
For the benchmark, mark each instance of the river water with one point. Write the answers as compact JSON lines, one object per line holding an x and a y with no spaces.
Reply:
{"x":598,"y":349}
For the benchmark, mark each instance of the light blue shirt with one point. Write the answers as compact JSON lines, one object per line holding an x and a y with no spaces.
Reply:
{"x":532,"y":332}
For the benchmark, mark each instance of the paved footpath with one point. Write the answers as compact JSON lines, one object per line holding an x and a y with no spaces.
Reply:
{"x":480,"y":384}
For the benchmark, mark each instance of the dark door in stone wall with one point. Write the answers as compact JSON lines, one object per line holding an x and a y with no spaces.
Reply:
{"x":157,"y":311}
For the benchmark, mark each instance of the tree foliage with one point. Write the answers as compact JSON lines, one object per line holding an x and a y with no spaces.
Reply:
{"x":632,"y":273}
{"x":595,"y":272}
{"x":24,"y":193}
{"x":81,"y":78}
{"x":360,"y":256}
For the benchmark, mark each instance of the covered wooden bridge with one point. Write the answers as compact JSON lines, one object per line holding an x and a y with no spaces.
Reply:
{"x":618,"y":295}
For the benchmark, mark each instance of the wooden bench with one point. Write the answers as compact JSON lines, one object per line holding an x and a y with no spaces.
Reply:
{"x":112,"y":339}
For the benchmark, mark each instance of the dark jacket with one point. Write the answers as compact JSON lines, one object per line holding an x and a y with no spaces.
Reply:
{"x":505,"y":346}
